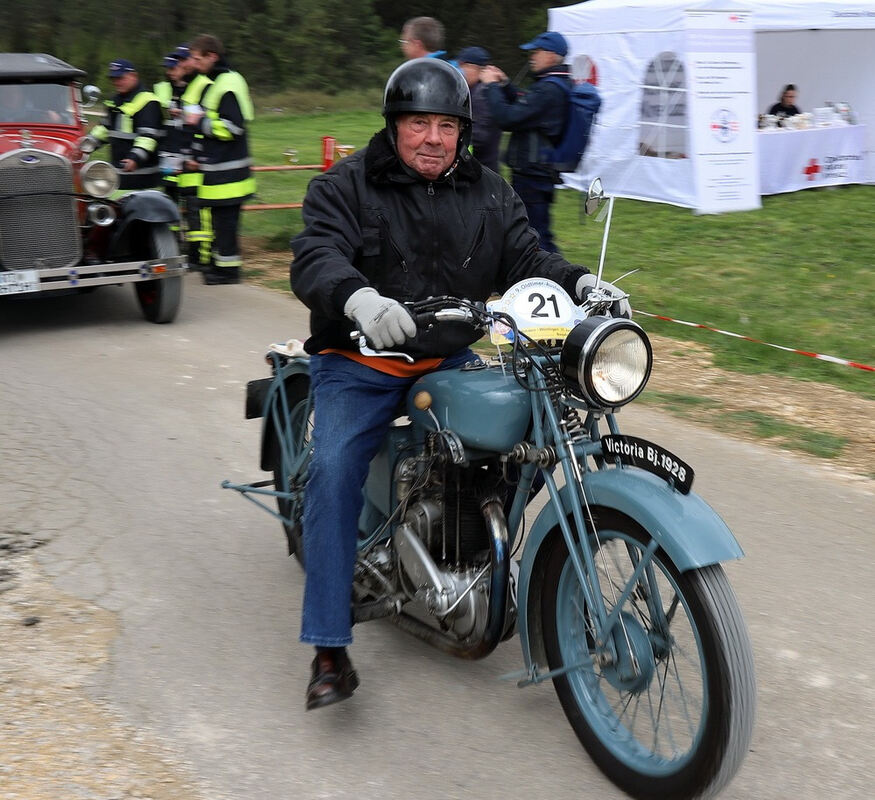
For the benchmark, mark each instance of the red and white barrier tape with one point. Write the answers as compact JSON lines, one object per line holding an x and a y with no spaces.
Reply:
{"x":820,"y":356}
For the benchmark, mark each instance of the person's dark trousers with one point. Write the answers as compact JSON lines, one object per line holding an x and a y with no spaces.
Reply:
{"x":197,"y":246}
{"x":537,"y":195}
{"x":226,"y":247}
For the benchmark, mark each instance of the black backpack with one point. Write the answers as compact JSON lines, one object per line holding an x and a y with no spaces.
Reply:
{"x":584,"y":102}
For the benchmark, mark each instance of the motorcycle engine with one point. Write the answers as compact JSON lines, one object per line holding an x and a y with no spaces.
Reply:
{"x":443,"y":545}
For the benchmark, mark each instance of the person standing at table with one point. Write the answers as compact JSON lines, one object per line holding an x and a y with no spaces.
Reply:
{"x":786,"y":106}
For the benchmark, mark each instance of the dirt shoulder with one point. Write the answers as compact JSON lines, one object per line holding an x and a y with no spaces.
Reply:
{"x":57,"y":740}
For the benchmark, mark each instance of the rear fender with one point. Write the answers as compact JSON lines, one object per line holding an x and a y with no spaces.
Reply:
{"x":690,"y":532}
{"x":294,"y":376}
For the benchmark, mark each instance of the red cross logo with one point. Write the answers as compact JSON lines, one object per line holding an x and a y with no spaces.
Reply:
{"x":812,"y":169}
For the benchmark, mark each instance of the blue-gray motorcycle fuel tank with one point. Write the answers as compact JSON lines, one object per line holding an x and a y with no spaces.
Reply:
{"x":486,"y":408}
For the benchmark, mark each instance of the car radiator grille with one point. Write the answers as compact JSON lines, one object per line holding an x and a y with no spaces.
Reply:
{"x":38,"y":224}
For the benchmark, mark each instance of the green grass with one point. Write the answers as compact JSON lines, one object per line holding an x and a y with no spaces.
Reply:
{"x":752,"y":423}
{"x":797,"y":272}
{"x":681,"y":403}
{"x":786,"y":435}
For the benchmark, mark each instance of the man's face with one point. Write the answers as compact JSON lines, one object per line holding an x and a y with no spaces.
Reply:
{"x":543,"y":59}
{"x":427,"y":142}
{"x":177,"y":73}
{"x":789,"y":98}
{"x":186,"y":66}
{"x":410,"y":47}
{"x":124,"y":83}
{"x":203,"y":62}
{"x":471,"y":72}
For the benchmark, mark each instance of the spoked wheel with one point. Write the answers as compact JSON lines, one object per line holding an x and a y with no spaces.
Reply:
{"x":666,"y":708}
{"x":290,"y":457}
{"x":160,"y":298}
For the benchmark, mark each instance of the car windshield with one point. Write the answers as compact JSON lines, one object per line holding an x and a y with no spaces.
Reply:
{"x":50,"y":103}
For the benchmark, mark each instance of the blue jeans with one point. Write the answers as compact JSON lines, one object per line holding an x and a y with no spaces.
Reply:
{"x":353,"y":407}
{"x":537,"y":196}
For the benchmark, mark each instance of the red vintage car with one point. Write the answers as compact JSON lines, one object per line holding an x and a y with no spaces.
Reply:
{"x":62,"y":228}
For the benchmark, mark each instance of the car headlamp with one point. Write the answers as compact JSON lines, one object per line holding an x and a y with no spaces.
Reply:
{"x":99,"y":179}
{"x":606,"y":361}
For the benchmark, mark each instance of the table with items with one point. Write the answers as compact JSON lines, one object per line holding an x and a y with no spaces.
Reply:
{"x":807,"y":157}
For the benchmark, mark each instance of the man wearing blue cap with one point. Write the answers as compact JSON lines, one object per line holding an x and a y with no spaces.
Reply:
{"x":185,"y":86}
{"x":536,"y":119}
{"x":133,"y":127}
{"x":485,"y":134}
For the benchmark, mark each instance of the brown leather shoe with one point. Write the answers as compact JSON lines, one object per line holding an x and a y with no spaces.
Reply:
{"x":333,"y":679}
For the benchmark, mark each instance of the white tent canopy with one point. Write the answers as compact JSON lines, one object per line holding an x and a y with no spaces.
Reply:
{"x":635,"y":48}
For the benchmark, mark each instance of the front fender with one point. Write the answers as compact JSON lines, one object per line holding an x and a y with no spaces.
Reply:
{"x":148,"y":205}
{"x":690,"y":532}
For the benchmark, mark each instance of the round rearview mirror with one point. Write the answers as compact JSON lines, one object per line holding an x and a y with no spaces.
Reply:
{"x":90,"y":95}
{"x":595,"y":196}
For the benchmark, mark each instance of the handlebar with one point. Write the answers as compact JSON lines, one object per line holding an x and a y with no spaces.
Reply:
{"x":425,"y":318}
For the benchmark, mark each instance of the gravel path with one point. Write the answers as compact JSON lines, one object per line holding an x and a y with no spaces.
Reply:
{"x":57,"y":740}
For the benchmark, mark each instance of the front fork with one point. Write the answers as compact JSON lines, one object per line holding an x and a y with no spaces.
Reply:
{"x":609,"y":628}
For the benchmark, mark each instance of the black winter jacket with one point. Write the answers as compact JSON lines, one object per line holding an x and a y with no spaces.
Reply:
{"x":370,"y":221}
{"x":535,"y":118}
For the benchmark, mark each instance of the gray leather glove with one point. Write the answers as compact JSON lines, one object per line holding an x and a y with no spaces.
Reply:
{"x":384,"y":321}
{"x":619,"y":308}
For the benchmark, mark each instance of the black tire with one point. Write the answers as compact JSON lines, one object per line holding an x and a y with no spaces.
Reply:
{"x":290,"y":473}
{"x":160,"y":299}
{"x":700,"y":675}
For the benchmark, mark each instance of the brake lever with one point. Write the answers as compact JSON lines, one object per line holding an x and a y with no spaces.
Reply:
{"x":366,"y":350}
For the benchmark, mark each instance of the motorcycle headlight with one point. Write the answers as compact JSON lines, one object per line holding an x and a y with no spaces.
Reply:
{"x":99,"y":179}
{"x":606,"y":361}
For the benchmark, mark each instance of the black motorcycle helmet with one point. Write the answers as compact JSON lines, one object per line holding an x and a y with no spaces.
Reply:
{"x":430,"y":86}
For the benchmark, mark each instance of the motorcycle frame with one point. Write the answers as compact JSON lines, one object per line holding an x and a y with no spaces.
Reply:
{"x":683,"y":526}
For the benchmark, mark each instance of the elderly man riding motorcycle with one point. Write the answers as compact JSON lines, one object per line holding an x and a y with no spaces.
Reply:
{"x":411,"y":216}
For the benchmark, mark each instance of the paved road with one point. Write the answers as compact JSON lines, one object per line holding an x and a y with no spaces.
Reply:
{"x":117,"y":434}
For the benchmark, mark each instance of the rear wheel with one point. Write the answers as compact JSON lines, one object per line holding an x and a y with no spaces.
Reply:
{"x":289,"y":457}
{"x":670,"y":712}
{"x":160,"y":298}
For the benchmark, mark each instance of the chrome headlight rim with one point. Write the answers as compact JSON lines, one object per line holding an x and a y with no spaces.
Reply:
{"x":99,"y":178}
{"x":579,"y":352}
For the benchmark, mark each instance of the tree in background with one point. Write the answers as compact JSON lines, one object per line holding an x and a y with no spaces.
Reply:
{"x":320,"y":45}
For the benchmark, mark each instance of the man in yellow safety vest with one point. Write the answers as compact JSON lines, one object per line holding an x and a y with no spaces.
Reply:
{"x":225,"y":164}
{"x":133,"y":128}
{"x":184,"y":86}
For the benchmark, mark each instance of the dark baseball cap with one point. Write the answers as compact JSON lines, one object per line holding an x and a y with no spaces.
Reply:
{"x":170,"y":60}
{"x":473,"y":55}
{"x":119,"y":67}
{"x":550,"y":40}
{"x":182,"y":52}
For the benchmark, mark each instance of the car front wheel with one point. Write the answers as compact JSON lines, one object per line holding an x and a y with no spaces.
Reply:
{"x":160,"y":299}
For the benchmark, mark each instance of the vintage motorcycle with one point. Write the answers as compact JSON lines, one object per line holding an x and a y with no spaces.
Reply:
{"x":616,"y":589}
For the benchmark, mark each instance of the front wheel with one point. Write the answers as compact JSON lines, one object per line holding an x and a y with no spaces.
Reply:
{"x":665,"y":706}
{"x":160,"y":298}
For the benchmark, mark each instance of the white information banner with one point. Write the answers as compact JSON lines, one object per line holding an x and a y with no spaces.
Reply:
{"x":722,"y":110}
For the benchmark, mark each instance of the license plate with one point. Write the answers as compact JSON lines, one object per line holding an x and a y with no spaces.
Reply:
{"x":19,"y":281}
{"x":646,"y":455}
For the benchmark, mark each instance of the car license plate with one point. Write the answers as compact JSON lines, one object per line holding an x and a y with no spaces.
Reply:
{"x":19,"y":281}
{"x":651,"y":457}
